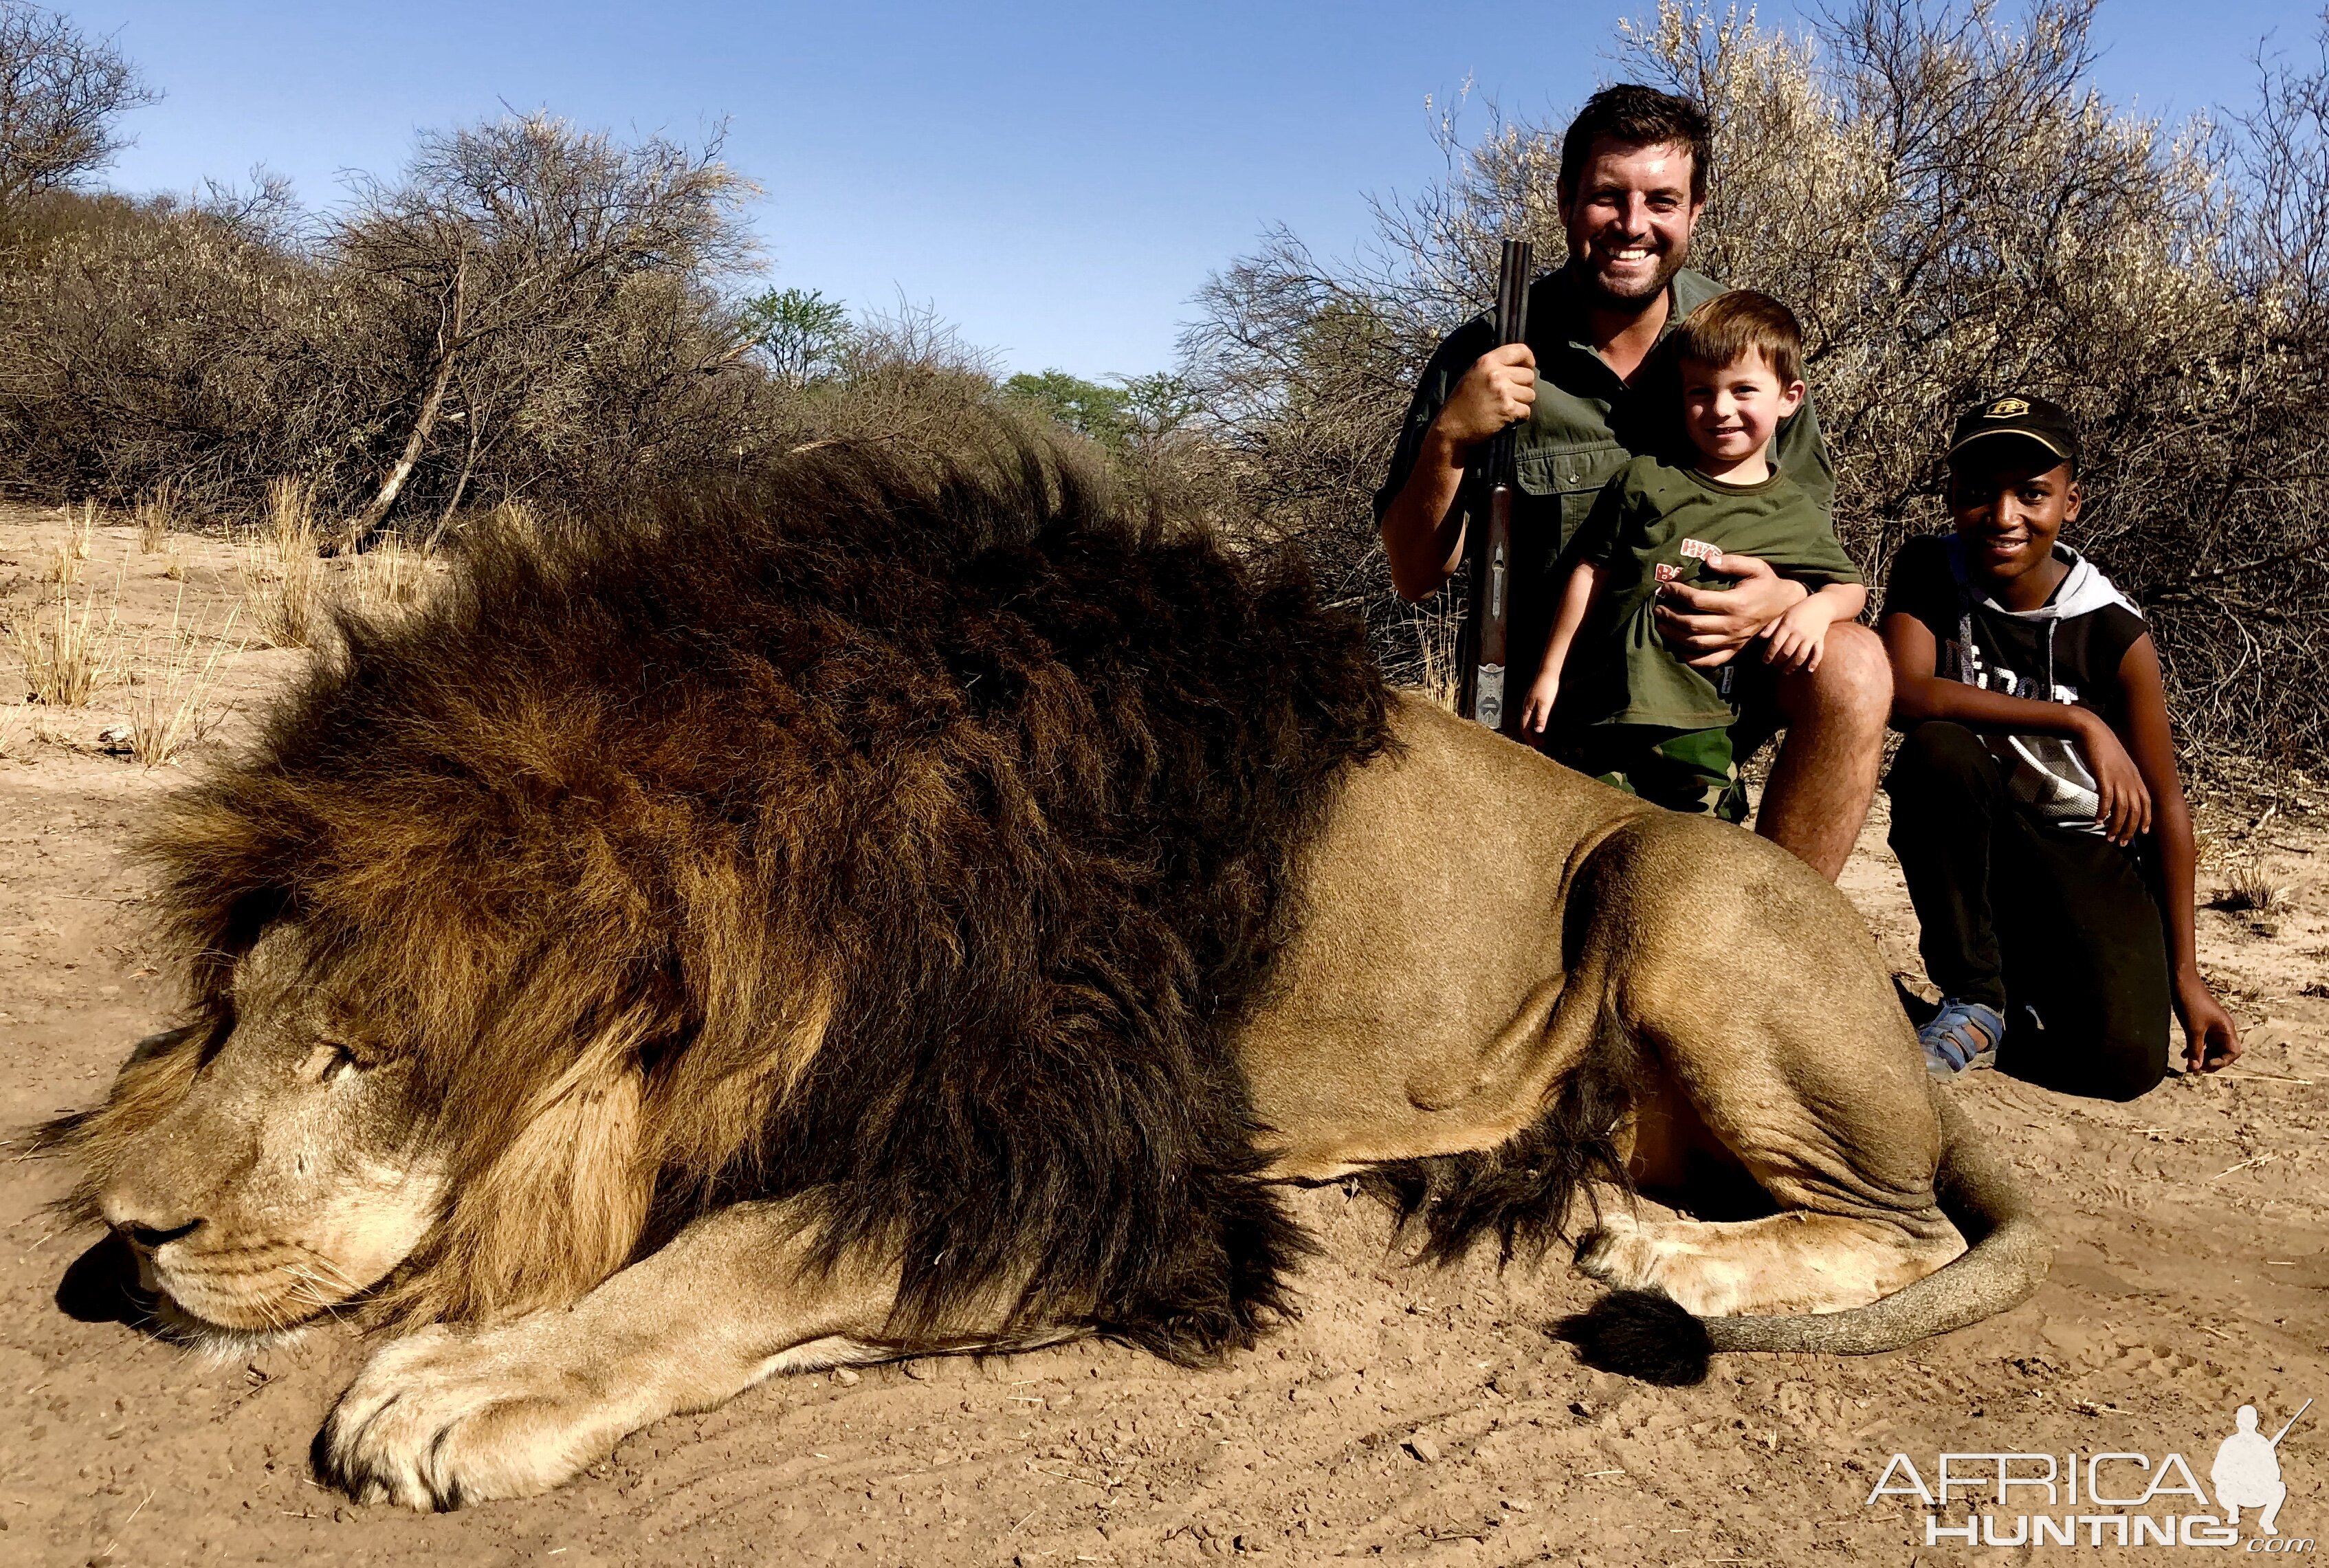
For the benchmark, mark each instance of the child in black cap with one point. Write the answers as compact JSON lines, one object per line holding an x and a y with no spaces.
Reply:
{"x":2036,"y":809}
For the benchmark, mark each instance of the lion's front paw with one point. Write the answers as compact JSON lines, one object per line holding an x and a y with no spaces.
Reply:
{"x":449,"y":1416}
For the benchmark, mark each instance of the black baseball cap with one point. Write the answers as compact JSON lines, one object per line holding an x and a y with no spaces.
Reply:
{"x":2032,"y":419}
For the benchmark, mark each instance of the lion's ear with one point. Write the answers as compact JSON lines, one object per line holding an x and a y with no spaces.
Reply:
{"x":559,"y":1209}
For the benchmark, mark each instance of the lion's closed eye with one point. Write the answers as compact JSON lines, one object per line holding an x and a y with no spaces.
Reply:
{"x":331,"y":1061}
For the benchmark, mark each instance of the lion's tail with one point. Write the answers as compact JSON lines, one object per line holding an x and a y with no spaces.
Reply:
{"x":1645,"y":1334}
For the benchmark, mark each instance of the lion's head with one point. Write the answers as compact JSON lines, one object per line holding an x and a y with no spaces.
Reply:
{"x":905,"y":846}
{"x":275,"y":1174}
{"x":300,"y":1150}
{"x":323,"y":1140}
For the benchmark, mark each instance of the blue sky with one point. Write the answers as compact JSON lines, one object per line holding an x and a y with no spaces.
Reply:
{"x":1056,"y":179}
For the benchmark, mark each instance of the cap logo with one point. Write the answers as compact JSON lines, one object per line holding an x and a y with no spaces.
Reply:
{"x":2007,"y":408}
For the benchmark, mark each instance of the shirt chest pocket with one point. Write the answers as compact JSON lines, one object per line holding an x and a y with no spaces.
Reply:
{"x":1570,"y":475}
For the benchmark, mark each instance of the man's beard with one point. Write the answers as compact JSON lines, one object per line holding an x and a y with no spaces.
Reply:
{"x":1649,"y":289}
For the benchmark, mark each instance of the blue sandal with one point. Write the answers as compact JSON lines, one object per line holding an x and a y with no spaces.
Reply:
{"x":1961,"y":1037}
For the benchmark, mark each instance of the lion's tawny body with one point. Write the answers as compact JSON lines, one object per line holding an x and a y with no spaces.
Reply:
{"x":869,"y":913}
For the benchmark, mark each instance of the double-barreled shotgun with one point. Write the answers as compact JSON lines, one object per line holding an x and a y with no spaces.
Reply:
{"x":1488,"y":541}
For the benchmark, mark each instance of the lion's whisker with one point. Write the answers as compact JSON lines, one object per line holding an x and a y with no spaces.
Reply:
{"x":309,"y":1288}
{"x":336,"y":1274}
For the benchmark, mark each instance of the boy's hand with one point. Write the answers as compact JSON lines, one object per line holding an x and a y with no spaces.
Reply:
{"x":2211,"y":1040}
{"x":1537,"y":712}
{"x":1793,"y":642}
{"x":2125,"y":809}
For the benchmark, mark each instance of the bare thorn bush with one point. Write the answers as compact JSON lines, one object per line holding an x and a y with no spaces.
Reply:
{"x":66,"y":654}
{"x":527,"y":306}
{"x":278,"y":564}
{"x":175,"y":707}
{"x":65,"y":90}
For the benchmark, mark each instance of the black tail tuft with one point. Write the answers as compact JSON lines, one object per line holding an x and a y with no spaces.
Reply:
{"x":1643,"y":1334}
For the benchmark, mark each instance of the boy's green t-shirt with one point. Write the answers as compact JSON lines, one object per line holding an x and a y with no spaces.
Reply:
{"x":1622,"y":672}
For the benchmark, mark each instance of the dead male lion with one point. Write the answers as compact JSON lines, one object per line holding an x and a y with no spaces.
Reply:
{"x":872,"y":915}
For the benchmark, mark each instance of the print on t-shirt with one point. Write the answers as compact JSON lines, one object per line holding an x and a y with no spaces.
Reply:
{"x":2068,"y":650}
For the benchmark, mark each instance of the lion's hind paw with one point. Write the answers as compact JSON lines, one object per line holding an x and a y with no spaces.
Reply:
{"x":1683,"y":1260}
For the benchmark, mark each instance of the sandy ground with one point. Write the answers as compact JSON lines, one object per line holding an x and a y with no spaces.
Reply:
{"x":1408,"y":1414}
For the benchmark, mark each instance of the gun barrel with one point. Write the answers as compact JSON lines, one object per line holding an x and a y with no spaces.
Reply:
{"x":1512,"y":326}
{"x":1511,"y":288}
{"x":2291,"y":1422}
{"x":1488,"y":548}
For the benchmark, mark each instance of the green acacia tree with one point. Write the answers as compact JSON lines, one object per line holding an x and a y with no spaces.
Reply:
{"x":1098,"y":412}
{"x":804,"y":337}
{"x":1135,"y":409}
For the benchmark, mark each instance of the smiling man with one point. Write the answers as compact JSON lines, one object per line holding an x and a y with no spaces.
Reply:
{"x":1593,"y":394}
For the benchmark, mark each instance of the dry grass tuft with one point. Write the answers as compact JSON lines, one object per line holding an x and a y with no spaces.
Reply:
{"x":279,"y":566}
{"x":1437,"y":636}
{"x":176,"y":708}
{"x":156,"y":514}
{"x":80,"y":529}
{"x":2249,"y":889}
{"x":67,"y":656}
{"x":388,"y":578}
{"x":504,"y":513}
{"x":16,"y":737}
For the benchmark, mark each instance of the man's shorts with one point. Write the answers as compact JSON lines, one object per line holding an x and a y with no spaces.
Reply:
{"x":1754,"y":692}
{"x":1687,"y":771}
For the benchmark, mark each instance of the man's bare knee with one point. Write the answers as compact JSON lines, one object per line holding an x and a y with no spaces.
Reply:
{"x":1825,"y":776}
{"x":1850,"y":695}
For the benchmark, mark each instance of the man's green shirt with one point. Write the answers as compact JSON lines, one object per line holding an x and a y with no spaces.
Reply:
{"x":1620,"y":671}
{"x":1585,"y":426}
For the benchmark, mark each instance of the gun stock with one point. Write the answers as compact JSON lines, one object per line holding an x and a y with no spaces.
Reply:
{"x":1488,"y":545}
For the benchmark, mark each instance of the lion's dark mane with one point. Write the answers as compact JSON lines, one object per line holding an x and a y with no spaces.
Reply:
{"x":1019,"y":773}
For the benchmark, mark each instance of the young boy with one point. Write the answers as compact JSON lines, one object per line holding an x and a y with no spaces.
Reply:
{"x":2036,"y":809}
{"x":1635,"y":714}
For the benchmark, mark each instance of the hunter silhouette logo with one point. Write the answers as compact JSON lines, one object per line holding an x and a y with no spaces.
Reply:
{"x":2116,"y":1498}
{"x":2247,"y":1471}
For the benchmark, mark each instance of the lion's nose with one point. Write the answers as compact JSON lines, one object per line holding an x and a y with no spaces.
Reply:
{"x":145,"y":1220}
{"x":146,"y":1238}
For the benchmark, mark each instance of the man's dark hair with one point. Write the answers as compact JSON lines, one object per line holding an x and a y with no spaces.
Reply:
{"x":1636,"y":117}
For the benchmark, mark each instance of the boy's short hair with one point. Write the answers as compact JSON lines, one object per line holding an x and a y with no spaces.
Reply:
{"x":1993,"y":426}
{"x":1636,"y":117}
{"x":1726,"y":327}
